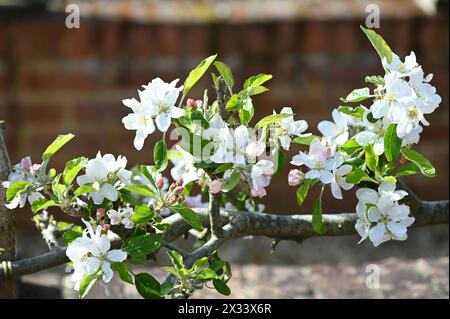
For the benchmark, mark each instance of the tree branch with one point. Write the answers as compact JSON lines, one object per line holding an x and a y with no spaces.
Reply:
{"x":239,"y":224}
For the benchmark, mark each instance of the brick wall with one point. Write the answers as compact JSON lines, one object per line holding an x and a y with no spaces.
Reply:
{"x":54,"y":80}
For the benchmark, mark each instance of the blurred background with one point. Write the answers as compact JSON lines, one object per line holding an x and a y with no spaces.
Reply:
{"x":56,"y":80}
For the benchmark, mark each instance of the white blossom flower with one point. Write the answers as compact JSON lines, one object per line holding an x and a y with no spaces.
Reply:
{"x":28,"y":172}
{"x":336,"y":133}
{"x":91,"y":253}
{"x":381,"y":217}
{"x":286,"y":129}
{"x":398,"y":93}
{"x":260,"y":175}
{"x":160,"y":98}
{"x":184,"y":166}
{"x":403,"y":68}
{"x":373,"y":133}
{"x":339,"y":181}
{"x":122,"y":216}
{"x":140,"y":120}
{"x":106,"y":174}
{"x":319,"y":161}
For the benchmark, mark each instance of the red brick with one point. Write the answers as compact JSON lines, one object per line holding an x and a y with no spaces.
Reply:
{"x":314,"y":37}
{"x":138,"y":41}
{"x":168,"y":40}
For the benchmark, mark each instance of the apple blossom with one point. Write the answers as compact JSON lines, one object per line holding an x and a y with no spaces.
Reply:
{"x":260,"y":175}
{"x":339,"y":181}
{"x":160,"y":98}
{"x":122,"y":216}
{"x":336,"y":133}
{"x":184,"y":166}
{"x":381,"y":217}
{"x":91,"y":253}
{"x":106,"y":174}
{"x":286,"y":129}
{"x":215,"y":186}
{"x":295,"y":177}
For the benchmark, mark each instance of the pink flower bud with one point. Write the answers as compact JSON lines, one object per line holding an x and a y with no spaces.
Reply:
{"x":260,"y":192}
{"x":35,"y":168}
{"x":215,"y":186}
{"x":106,"y":227}
{"x":26,"y":163}
{"x":160,"y":182}
{"x":100,"y":212}
{"x":295,"y":177}
{"x":191,"y":103}
{"x":179,"y":189}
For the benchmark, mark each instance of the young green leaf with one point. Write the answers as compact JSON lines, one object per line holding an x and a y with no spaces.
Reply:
{"x":271,"y":119}
{"x":317,"y":215}
{"x":72,"y":234}
{"x":143,"y":190}
{"x":160,"y":155}
{"x":42,"y":203}
{"x":256,"y":80}
{"x":221,"y":287}
{"x":231,"y":182}
{"x":375,"y":79}
{"x":350,"y":147}
{"x":84,"y":189}
{"x":147,"y":286}
{"x":197,"y":73}
{"x":191,"y":217}
{"x":302,"y":191}
{"x":305,"y":140}
{"x":356,"y":176}
{"x":392,"y":143}
{"x":226,"y":74}
{"x":233,"y":103}
{"x":408,"y":169}
{"x":142,"y":214}
{"x":124,"y":274}
{"x":16,"y":189}
{"x":422,"y":163}
{"x":56,"y":145}
{"x":72,"y":168}
{"x":176,"y":258}
{"x":357,"y":95}
{"x":143,"y":244}
{"x":371,"y":158}
{"x":384,"y":51}
{"x":356,"y":112}
{"x":87,"y":283}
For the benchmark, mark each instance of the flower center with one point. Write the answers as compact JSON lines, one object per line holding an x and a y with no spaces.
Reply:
{"x":413,"y":113}
{"x":163,"y":107}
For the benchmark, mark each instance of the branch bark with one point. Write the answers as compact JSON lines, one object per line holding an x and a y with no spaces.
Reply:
{"x":7,"y":227}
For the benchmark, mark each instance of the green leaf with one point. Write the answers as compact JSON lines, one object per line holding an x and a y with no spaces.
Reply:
{"x":160,"y":155}
{"x":84,"y":189}
{"x":317,"y":215}
{"x":356,"y":176}
{"x":56,"y":145}
{"x":147,"y":286}
{"x":142,"y":214}
{"x":350,"y":147}
{"x":231,"y":182}
{"x":408,"y":169}
{"x":191,"y":217}
{"x":422,"y":163}
{"x":247,"y":111}
{"x":87,"y":283}
{"x":16,"y":189}
{"x":302,"y":191}
{"x":221,"y":287}
{"x":143,"y":190}
{"x":281,"y":161}
{"x":254,"y":90}
{"x":392,"y":143}
{"x":166,"y":289}
{"x":70,"y":235}
{"x":226,"y":74}
{"x":42,"y":203}
{"x":390,"y":179}
{"x":143,"y":244}
{"x":356,"y":112}
{"x":357,"y":95}
{"x":207,"y":274}
{"x":256,"y":80}
{"x":197,"y":73}
{"x":375,"y":79}
{"x":233,"y":103}
{"x":124,"y":274}
{"x":149,"y":172}
{"x":72,"y":169}
{"x":200,"y":263}
{"x":371,"y":158}
{"x":305,"y":140}
{"x":384,"y":51}
{"x":176,"y":258}
{"x":271,"y":119}
{"x":223,"y":167}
